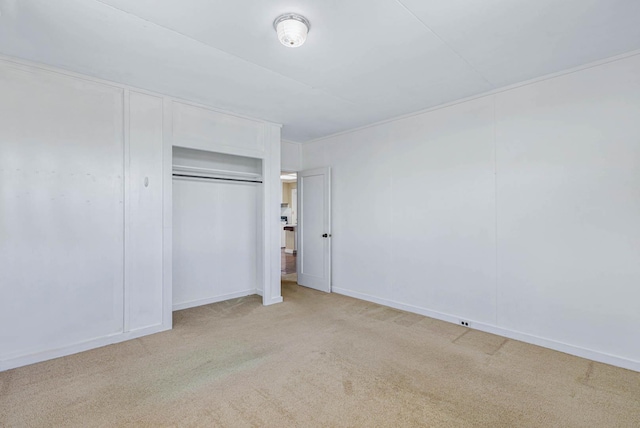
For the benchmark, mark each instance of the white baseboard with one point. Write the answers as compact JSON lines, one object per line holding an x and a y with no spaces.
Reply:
{"x":511,"y":334}
{"x":37,"y":357}
{"x":214,"y":299}
{"x":273,"y":301}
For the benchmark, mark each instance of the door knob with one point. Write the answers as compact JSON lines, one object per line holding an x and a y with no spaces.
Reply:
{"x":326,"y":235}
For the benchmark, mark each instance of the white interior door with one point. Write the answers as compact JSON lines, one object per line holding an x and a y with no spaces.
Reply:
{"x":314,"y":229}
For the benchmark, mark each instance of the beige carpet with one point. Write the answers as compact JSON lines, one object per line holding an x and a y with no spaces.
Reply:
{"x":318,"y":360}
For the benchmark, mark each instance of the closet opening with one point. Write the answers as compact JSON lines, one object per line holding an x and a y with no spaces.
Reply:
{"x":217,"y":227}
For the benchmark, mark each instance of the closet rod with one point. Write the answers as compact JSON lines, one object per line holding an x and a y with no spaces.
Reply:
{"x":213,"y":171}
{"x":216,"y":178}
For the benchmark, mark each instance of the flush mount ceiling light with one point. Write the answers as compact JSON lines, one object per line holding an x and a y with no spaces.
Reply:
{"x":292,"y":29}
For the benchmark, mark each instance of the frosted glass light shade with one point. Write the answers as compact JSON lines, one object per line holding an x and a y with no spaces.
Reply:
{"x":292,"y":30}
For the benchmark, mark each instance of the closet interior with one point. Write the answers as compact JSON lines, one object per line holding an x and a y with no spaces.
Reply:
{"x":216,"y":228}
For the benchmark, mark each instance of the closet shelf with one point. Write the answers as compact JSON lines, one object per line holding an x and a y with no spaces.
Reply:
{"x":210,"y":172}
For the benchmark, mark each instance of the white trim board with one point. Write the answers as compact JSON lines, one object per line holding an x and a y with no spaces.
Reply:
{"x":215,"y":299}
{"x":487,"y":328}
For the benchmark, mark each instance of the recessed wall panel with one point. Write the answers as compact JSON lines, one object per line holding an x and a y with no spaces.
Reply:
{"x":61,"y":211}
{"x":144,"y":239}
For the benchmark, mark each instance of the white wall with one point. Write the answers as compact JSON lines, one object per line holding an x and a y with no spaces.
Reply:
{"x":61,"y":211}
{"x":290,"y":156}
{"x":144,"y":286}
{"x":215,"y":222}
{"x":86,"y":207}
{"x":517,"y":212}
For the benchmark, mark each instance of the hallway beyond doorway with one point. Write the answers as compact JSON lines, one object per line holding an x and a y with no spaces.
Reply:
{"x":288,"y":263}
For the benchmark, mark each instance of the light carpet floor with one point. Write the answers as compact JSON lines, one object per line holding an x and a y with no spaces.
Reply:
{"x":318,"y":360}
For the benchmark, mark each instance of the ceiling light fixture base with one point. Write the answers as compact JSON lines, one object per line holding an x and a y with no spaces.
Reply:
{"x":294,"y":16}
{"x":292,"y":29}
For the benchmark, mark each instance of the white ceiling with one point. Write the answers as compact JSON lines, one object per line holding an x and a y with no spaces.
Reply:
{"x":364,"y":60}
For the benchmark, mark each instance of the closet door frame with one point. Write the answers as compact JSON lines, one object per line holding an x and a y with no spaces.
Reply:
{"x":266,"y":147}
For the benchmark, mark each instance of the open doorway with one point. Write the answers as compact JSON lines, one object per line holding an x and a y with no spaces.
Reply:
{"x":289,"y":226}
{"x":306,"y":229}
